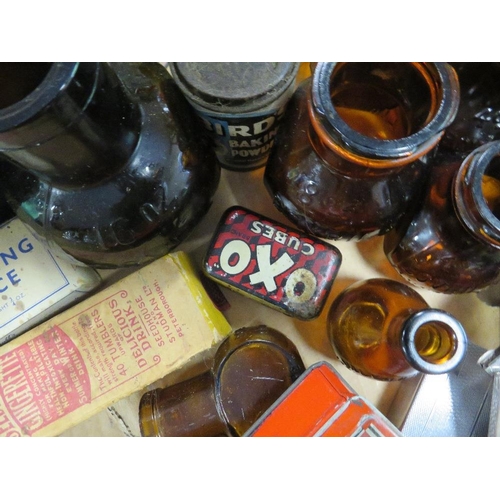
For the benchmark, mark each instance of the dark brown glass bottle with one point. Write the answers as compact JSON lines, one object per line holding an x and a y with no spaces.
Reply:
{"x":251,"y":369}
{"x":452,"y":243}
{"x":350,"y":156}
{"x":106,"y":161}
{"x":478,"y":118}
{"x":6,"y":212}
{"x":385,"y":330}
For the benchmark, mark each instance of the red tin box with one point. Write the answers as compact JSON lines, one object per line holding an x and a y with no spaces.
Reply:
{"x":320,"y":403}
{"x":272,"y":263}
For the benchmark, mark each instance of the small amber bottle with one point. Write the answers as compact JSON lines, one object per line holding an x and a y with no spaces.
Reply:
{"x":251,"y":369}
{"x":452,"y":243}
{"x":350,"y":155}
{"x":385,"y":330}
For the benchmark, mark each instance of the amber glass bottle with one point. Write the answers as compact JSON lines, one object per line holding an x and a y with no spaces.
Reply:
{"x":452,"y":244}
{"x":384,"y":329}
{"x":350,"y":155}
{"x":106,"y":161}
{"x":251,"y":369}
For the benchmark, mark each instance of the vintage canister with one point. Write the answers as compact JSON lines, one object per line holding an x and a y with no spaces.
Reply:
{"x":272,"y":263}
{"x":240,"y":104}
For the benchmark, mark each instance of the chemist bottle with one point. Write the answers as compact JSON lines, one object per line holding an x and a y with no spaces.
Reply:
{"x":452,"y":243}
{"x":350,"y":157}
{"x":384,"y":329}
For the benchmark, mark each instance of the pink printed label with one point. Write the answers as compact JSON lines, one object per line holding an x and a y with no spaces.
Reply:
{"x":40,"y":382}
{"x":110,"y":346}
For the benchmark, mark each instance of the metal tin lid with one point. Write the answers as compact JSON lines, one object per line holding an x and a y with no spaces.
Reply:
{"x":233,"y":86}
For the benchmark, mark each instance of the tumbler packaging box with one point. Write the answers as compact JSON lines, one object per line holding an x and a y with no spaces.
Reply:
{"x":105,"y":348}
{"x":34,"y":283}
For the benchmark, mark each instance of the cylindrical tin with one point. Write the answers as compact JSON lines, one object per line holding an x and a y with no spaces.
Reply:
{"x":240,"y":103}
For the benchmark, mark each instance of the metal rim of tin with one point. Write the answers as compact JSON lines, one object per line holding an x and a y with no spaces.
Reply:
{"x":468,"y":196}
{"x":409,"y":333}
{"x":424,"y":139}
{"x":222,"y":104}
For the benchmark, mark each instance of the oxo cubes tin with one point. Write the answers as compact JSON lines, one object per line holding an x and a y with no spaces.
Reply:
{"x":272,"y":263}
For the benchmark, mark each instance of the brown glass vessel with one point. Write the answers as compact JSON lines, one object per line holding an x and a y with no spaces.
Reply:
{"x":384,"y":329}
{"x":251,"y":369}
{"x":350,"y":156}
{"x":452,"y":243}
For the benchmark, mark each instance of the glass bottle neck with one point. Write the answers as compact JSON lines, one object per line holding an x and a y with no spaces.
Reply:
{"x":382,"y":115}
{"x":433,"y":341}
{"x":476,"y":193}
{"x":76,"y":126}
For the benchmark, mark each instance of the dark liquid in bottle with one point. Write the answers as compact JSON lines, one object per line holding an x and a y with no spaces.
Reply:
{"x":478,"y":118}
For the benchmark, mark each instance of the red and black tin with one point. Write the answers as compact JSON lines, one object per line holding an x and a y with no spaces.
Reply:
{"x":274,"y":264}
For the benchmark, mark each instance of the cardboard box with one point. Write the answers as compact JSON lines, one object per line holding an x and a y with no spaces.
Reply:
{"x":105,"y":348}
{"x":34,"y":283}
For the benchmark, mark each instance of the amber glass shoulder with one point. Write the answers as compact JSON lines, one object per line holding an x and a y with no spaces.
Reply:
{"x":349,"y":158}
{"x":434,"y":249}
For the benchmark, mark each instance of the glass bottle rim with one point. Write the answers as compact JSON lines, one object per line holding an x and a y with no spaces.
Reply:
{"x":408,"y":338}
{"x":242,"y":338}
{"x":400,"y":150}
{"x":468,"y":196}
{"x":56,"y":80}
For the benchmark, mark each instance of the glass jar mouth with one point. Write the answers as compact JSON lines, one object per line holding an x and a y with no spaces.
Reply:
{"x":441,"y":81}
{"x":412,"y":328}
{"x":471,"y":203}
{"x":51,"y":84}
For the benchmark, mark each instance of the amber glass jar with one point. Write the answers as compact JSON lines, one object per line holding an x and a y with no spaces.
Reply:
{"x":452,"y":243}
{"x":251,"y":369}
{"x":105,"y":161}
{"x":384,"y":329}
{"x":350,"y":155}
